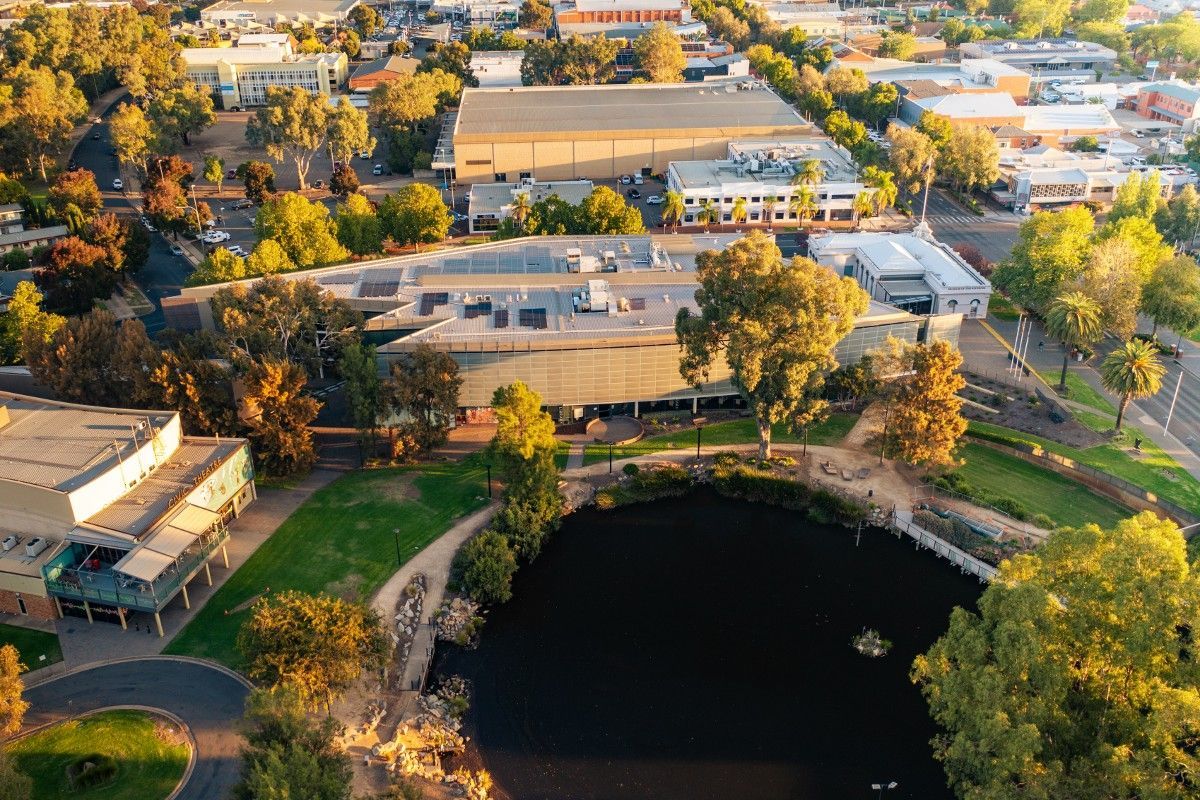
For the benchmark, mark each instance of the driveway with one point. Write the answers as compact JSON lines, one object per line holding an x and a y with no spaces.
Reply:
{"x":209,"y":700}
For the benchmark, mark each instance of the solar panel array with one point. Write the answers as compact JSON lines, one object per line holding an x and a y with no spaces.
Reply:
{"x":479,"y":309}
{"x":532,"y":318}
{"x":430,"y":300}
{"x":637,"y":304}
{"x":501,"y":317}
{"x":379,"y":289}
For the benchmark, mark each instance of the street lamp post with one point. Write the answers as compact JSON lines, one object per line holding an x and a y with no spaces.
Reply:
{"x":610,"y":446}
{"x":699,"y":423}
{"x":489,"y":474}
{"x":396,"y":537}
{"x":884,"y":787}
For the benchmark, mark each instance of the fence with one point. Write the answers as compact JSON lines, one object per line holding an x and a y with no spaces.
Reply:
{"x":923,"y":538}
{"x":1118,"y":489}
{"x":930,"y":491}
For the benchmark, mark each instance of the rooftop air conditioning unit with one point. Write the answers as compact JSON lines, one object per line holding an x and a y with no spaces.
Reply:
{"x":34,"y":548}
{"x":10,"y":543}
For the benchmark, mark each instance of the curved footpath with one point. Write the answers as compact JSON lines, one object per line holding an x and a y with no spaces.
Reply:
{"x":207,"y":698}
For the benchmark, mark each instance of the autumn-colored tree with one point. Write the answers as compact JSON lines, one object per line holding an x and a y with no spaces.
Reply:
{"x":1132,"y":371}
{"x":125,"y":243}
{"x":259,"y":179}
{"x":776,"y":325}
{"x":317,"y":644}
{"x":12,"y":707}
{"x":918,"y":385}
{"x":75,"y":275}
{"x":279,"y":416}
{"x":77,"y":189}
{"x":1077,"y":676}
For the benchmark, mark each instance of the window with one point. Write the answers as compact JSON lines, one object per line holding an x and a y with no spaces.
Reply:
{"x":21,"y":605}
{"x":952,"y":305}
{"x":525,"y":175}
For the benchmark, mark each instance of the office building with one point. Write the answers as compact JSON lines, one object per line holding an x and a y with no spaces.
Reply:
{"x":240,"y":76}
{"x":370,"y":74}
{"x":601,"y":132}
{"x":912,"y":271}
{"x":110,"y":511}
{"x":1045,"y":59}
{"x":1170,"y":101}
{"x":492,"y":203}
{"x":760,"y":173}
{"x":269,"y":13}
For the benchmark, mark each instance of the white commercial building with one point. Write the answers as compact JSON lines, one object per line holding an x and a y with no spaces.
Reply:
{"x":1043,"y":177}
{"x":497,"y":68}
{"x":492,"y":203}
{"x":240,"y":75}
{"x":247,"y":13}
{"x":761,"y":173}
{"x":912,"y":271}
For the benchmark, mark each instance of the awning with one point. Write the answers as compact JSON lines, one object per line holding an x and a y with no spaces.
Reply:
{"x":170,"y":541}
{"x":194,"y":520}
{"x":145,"y":565}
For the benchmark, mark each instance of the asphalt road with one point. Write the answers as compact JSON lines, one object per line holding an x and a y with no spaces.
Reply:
{"x":994,"y":234}
{"x":208,"y":700}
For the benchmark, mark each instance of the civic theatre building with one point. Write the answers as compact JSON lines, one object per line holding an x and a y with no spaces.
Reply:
{"x":108,"y":511}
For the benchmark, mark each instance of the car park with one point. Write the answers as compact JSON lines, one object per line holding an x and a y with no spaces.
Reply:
{"x":654,"y":200}
{"x":118,"y":184}
{"x":378,"y":170}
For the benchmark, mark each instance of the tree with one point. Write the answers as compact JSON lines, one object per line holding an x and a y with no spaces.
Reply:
{"x":885,"y":192}
{"x":878,"y":103}
{"x":1144,"y":239}
{"x":259,"y":179}
{"x":1179,"y":219}
{"x":739,"y":212}
{"x":76,"y":188}
{"x":268,"y":258}
{"x":288,"y":754}
{"x":604,"y":212}
{"x":708,"y":213}
{"x":302,"y":228}
{"x":776,"y":324}
{"x":214,"y":170}
{"x":1038,"y":18}
{"x":25,"y":318}
{"x":1112,"y":279}
{"x":519,"y":211}
{"x":911,"y":157}
{"x":76,"y":274}
{"x":804,"y":204}
{"x":1075,"y":320}
{"x":220,"y":266}
{"x":92,"y":360}
{"x":452,"y":58}
{"x":810,"y":173}
{"x":724,"y":25}
{"x":131,"y":135}
{"x":363,"y":388}
{"x":487,"y":564}
{"x":279,"y":433}
{"x":672,"y":208}
{"x":12,"y":707}
{"x":359,"y":229}
{"x":415,"y":214}
{"x":523,"y":430}
{"x":898,"y":44}
{"x":535,"y":15}
{"x":1136,"y":197}
{"x":849,"y":133}
{"x":292,"y":126}
{"x":1102,"y":11}
{"x":1109,"y":34}
{"x":182,"y":111}
{"x":45,"y":107}
{"x":349,"y":133}
{"x":919,"y":384}
{"x":1051,"y":251}
{"x":344,"y":180}
{"x":1172,"y":296}
{"x":938,"y":129}
{"x":317,"y":644}
{"x":423,"y":391}
{"x":660,"y":55}
{"x":1077,"y":677}
{"x":970,"y":158}
{"x":845,"y":83}
{"x":126,"y":244}
{"x":164,"y":193}
{"x":366,"y":20}
{"x":1086,"y":144}
{"x":1132,"y":371}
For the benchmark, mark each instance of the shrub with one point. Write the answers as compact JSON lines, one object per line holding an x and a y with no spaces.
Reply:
{"x":762,"y":487}
{"x":726,"y":458}
{"x":606,"y":499}
{"x":487,"y":567}
{"x":89,"y":771}
{"x":631,"y":469}
{"x":1042,"y":521}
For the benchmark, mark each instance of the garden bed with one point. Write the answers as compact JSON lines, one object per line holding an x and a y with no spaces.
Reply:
{"x":1021,"y":410}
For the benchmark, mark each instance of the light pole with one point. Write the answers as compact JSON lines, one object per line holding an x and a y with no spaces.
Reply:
{"x":396,"y":537}
{"x":884,"y":787}
{"x":699,"y":423}
{"x":489,"y":474}
{"x":610,"y":446}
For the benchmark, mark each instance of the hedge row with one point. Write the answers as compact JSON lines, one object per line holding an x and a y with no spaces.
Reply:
{"x":763,"y":487}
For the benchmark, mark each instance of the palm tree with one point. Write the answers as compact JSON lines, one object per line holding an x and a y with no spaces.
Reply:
{"x":804,"y":204}
{"x":707,"y":214}
{"x":862,"y":205}
{"x":769,"y":202}
{"x":521,"y":209}
{"x":885,"y":188}
{"x":1073,"y":319}
{"x":810,"y":173}
{"x":1132,"y":371}
{"x":672,"y":210}
{"x":739,"y":212}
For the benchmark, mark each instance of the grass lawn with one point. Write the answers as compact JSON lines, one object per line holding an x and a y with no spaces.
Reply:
{"x":740,"y":431}
{"x":1095,"y":422}
{"x":1079,"y":391}
{"x":150,"y":762}
{"x":1000,"y":306}
{"x":339,"y":542}
{"x":1039,"y":490}
{"x":31,"y":644}
{"x":1146,"y":472}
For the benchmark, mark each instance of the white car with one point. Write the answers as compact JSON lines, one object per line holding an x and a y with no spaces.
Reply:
{"x":214,"y":237}
{"x":118,"y":184}
{"x":365,"y":155}
{"x":654,"y":200}
{"x":1139,"y":135}
{"x":626,"y":180}
{"x":378,"y":170}
{"x":238,"y":250}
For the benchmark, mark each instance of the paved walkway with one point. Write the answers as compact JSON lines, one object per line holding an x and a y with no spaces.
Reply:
{"x":85,"y":644}
{"x":208,"y":699}
{"x":575,"y":456}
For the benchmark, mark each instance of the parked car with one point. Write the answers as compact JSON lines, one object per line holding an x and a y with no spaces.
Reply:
{"x":236,"y":108}
{"x":215,"y":237}
{"x":654,"y":200}
{"x":626,"y":180}
{"x":242,"y":204}
{"x":318,"y":184}
{"x":633,"y":193}
{"x":365,"y":155}
{"x":458,"y":216}
{"x":96,"y":137}
{"x":1138,"y":135}
{"x":146,"y":224}
{"x":638,"y":180}
{"x":230,"y":174}
{"x":118,"y":184}
{"x":237,"y":250}
{"x":176,"y":250}
{"x":378,"y":170}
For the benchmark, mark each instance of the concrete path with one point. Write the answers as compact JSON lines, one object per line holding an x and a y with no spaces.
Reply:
{"x":575,"y":456}
{"x":208,"y":699}
{"x":85,"y":644}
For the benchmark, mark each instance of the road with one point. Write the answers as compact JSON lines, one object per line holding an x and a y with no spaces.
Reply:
{"x":208,"y":700}
{"x":993,"y":234}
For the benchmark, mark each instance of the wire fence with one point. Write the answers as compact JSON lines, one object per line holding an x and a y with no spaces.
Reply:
{"x":923,"y":538}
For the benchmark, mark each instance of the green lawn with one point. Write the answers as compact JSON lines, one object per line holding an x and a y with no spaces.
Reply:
{"x":1001,"y":307}
{"x":1146,"y":472}
{"x":1095,"y":422}
{"x":1079,"y":391}
{"x":32,"y":644}
{"x":340,"y":542}
{"x":149,"y":763}
{"x":740,"y":431}
{"x":1039,"y":490}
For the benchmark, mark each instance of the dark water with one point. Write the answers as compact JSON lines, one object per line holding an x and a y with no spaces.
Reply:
{"x":700,"y":648}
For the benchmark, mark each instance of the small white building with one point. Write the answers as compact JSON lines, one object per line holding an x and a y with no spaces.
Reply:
{"x":912,"y":271}
{"x":761,"y":172}
{"x":492,"y":203}
{"x":497,"y":68}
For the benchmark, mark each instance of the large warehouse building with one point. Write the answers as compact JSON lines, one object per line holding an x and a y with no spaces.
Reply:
{"x":589,"y":322}
{"x":600,"y":132}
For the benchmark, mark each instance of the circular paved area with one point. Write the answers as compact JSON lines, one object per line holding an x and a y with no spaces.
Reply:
{"x":615,"y":429}
{"x":208,"y":700}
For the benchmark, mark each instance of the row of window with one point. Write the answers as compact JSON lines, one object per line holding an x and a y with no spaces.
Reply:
{"x":728,"y":201}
